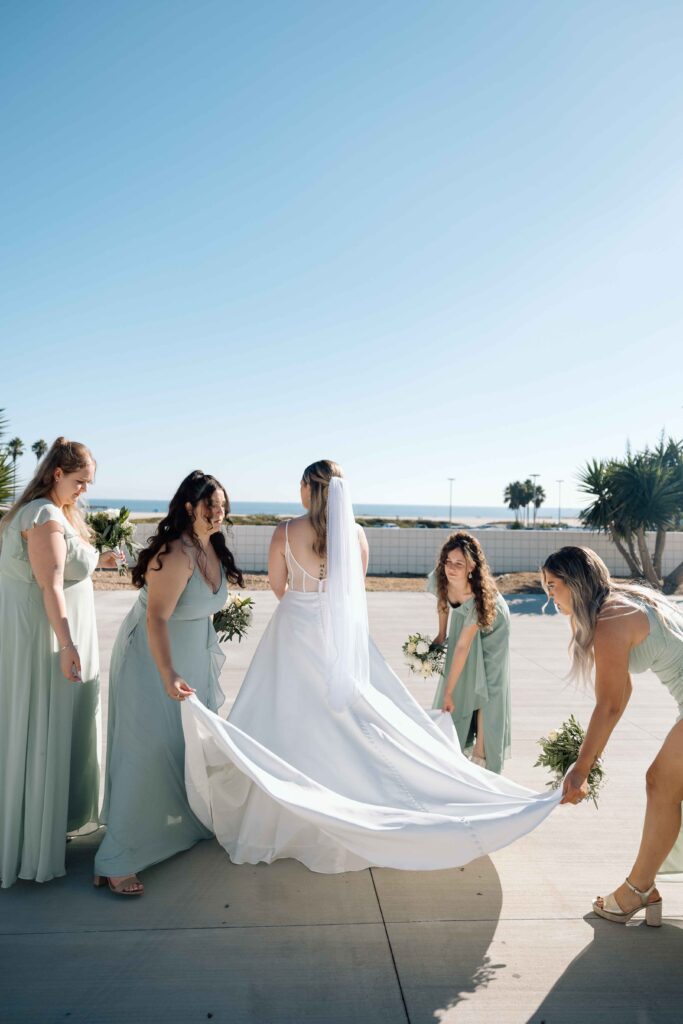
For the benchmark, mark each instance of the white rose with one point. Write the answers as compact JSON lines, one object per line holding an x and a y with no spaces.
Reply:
{"x":421,"y":647}
{"x":552,"y":735}
{"x":410,"y":648}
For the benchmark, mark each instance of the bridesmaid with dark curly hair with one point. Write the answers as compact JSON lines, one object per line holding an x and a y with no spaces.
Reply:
{"x":475,"y":685}
{"x":166,"y":648}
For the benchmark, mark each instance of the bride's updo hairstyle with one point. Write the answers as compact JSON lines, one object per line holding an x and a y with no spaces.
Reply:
{"x":70,"y":457}
{"x":195,"y":488}
{"x":481,"y":580}
{"x":318,"y":476}
{"x":590,"y":584}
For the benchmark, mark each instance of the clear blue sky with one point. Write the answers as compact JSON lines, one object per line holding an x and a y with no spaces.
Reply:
{"x":424,"y":239}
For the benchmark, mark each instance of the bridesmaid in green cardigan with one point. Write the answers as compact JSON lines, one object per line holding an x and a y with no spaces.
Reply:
{"x":475,"y":685}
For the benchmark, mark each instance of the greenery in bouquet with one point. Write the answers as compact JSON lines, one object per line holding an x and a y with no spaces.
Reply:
{"x":560,"y":750}
{"x":234,"y":619}
{"x":113,"y":531}
{"x":423,"y":657}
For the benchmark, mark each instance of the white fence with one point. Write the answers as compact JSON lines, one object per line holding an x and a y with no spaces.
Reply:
{"x":396,"y":552}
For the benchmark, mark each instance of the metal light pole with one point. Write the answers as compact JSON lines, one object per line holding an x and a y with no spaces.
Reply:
{"x":534,"y":477}
{"x":559,"y":500}
{"x":450,"y":500}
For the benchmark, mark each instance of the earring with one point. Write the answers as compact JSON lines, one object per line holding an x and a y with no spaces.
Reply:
{"x":469,"y":575}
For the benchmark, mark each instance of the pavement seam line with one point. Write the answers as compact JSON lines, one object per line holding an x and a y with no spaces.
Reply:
{"x":391,"y":949}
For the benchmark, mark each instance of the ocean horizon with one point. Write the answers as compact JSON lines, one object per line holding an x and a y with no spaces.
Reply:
{"x":388,"y":510}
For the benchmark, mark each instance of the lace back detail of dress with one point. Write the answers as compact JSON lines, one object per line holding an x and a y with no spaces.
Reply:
{"x":297,"y":578}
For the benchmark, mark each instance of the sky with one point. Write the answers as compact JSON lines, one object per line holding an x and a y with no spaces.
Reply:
{"x":426,"y":240}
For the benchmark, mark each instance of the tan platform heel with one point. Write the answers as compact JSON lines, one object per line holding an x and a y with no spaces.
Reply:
{"x":611,"y":910}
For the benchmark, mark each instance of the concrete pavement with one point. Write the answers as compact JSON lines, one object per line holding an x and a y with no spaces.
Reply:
{"x":508,"y":939}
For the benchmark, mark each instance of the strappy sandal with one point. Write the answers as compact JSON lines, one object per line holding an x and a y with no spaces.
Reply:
{"x":120,"y":888}
{"x":611,"y":910}
{"x":479,"y":761}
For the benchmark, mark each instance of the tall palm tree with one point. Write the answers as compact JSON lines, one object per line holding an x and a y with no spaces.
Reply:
{"x":539,"y":498}
{"x":5,"y":471}
{"x":39,"y":448}
{"x":15,"y":448}
{"x":512,"y":496}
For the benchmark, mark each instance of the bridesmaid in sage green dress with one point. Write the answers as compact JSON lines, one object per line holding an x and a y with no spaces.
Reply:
{"x":475,"y":685}
{"x":166,"y":648}
{"x":49,"y":669}
{"x":619,"y":629}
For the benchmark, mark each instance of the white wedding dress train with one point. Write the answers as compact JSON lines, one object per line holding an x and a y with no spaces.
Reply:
{"x":376,"y":783}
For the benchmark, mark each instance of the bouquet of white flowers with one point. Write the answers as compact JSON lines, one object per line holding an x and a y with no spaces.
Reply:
{"x":560,"y":750}
{"x":234,"y":619}
{"x":422,"y":657}
{"x":113,"y":531}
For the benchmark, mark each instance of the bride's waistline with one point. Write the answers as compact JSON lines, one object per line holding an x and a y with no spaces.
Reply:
{"x":304,"y":595}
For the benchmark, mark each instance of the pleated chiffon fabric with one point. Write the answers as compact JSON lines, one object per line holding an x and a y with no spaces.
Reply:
{"x":375,"y":784}
{"x":146,"y":811}
{"x":49,"y":727}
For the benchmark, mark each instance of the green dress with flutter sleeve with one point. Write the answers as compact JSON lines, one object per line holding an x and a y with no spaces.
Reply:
{"x":484,"y":682}
{"x":49,"y":727}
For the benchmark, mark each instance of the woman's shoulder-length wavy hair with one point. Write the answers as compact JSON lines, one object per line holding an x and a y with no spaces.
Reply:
{"x":70,"y":457}
{"x":482,"y":582}
{"x":179,"y":523}
{"x":590,"y":584}
{"x":318,"y":476}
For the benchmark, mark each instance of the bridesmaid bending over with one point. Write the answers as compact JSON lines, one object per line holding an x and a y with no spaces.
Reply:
{"x":49,"y":668}
{"x":617,"y":629}
{"x":166,"y":648}
{"x":475,"y":685}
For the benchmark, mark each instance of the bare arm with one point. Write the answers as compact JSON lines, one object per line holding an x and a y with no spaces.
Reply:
{"x":164,"y":588}
{"x":442,"y":612}
{"x":277,"y":566}
{"x":460,"y":655}
{"x":47,"y":557}
{"x":612,"y":692}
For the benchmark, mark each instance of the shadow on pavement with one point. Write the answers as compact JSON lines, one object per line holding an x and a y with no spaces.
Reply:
{"x":440,"y":925}
{"x":630,"y":974}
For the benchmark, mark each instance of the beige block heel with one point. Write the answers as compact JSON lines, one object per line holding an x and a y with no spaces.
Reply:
{"x":611,"y":911}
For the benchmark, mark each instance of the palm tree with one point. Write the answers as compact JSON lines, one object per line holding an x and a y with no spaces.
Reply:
{"x":5,"y":471}
{"x":512,"y":496}
{"x":539,"y":498}
{"x":39,"y":448}
{"x":639,"y":493}
{"x":15,"y":448}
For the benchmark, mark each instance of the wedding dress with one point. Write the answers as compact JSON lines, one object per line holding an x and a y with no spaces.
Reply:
{"x":327,"y":758}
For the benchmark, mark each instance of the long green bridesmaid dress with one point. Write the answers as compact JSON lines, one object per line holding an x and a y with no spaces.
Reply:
{"x":145,"y":809}
{"x":49,"y":727}
{"x":484,"y":682}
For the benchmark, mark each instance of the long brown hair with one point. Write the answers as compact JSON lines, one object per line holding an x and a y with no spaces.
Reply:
{"x":318,"y":476}
{"x":178,"y":522}
{"x":482,"y":583}
{"x":590,"y":583}
{"x":70,"y":457}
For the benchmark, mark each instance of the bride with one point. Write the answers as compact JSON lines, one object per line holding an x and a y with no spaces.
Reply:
{"x":325,"y":756}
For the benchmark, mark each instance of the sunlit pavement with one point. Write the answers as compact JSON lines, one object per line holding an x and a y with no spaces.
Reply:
{"x":509,"y":938}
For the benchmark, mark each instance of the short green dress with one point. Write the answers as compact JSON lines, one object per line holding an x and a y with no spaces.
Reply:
{"x":49,"y":727}
{"x":146,"y":811}
{"x":484,"y":682}
{"x":662,"y":652}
